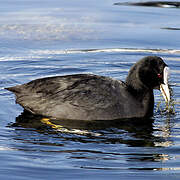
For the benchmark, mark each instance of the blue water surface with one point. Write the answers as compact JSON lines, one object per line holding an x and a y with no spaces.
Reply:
{"x":50,"y":37}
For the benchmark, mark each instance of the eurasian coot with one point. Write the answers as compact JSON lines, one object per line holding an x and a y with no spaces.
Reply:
{"x":93,"y":97}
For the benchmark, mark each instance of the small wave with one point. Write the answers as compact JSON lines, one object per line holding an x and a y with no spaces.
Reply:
{"x":171,"y":28}
{"x":108,"y":50}
{"x":2,"y":148}
{"x":19,"y":58}
{"x":162,"y":4}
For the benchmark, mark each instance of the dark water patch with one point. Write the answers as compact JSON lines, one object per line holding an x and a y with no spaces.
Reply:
{"x":171,"y":28}
{"x":162,"y":4}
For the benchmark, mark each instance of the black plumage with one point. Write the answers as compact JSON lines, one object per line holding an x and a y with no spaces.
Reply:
{"x":93,"y":97}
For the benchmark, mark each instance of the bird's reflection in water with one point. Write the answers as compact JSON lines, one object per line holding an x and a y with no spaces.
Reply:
{"x":137,"y":133}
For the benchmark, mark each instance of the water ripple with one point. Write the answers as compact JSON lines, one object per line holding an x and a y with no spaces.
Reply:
{"x":108,"y":50}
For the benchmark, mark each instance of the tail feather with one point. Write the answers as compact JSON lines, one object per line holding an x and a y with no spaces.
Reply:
{"x":14,"y":89}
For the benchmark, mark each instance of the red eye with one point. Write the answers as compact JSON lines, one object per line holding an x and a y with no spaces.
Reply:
{"x":159,"y":75}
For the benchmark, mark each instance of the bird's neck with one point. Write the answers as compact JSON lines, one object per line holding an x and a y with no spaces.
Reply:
{"x":148,"y":103}
{"x":146,"y":98}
